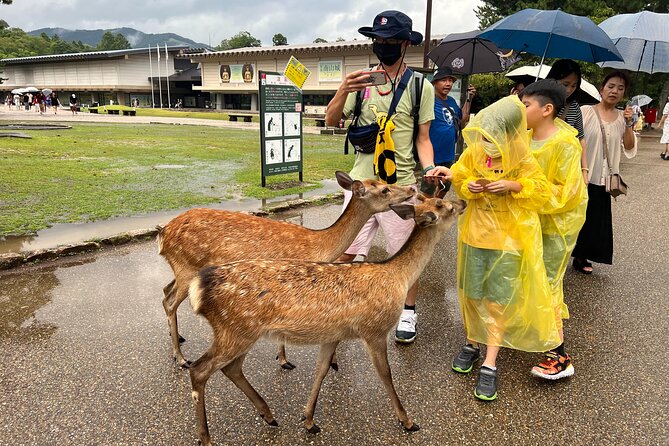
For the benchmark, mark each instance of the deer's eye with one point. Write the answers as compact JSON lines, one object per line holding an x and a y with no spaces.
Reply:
{"x":385,"y":190}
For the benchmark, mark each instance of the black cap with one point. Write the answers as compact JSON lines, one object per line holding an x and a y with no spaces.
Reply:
{"x":443,"y":72}
{"x":392,"y":25}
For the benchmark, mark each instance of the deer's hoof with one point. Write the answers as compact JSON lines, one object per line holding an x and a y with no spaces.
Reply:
{"x":181,"y":339}
{"x":272,"y":423}
{"x":335,"y":366}
{"x":413,"y":428}
{"x":314,"y":429}
{"x":288,"y":366}
{"x":185,"y":365}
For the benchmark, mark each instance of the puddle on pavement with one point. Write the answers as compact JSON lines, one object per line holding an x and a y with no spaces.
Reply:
{"x":63,"y":234}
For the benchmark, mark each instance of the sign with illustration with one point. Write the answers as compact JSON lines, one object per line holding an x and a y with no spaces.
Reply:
{"x":296,"y":72}
{"x":280,"y":124}
{"x":329,"y":71}
{"x":237,"y":73}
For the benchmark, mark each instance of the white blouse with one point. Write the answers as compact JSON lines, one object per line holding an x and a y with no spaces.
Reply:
{"x":593,"y":141}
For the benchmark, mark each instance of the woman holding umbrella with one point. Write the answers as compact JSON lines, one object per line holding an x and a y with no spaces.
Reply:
{"x":595,"y":241}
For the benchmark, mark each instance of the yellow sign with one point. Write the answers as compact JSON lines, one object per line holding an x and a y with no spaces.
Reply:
{"x":296,"y":72}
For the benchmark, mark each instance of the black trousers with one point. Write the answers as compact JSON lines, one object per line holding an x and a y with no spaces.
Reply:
{"x":595,"y":241}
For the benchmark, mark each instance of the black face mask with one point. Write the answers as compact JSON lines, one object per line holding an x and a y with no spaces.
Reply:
{"x":388,"y":53}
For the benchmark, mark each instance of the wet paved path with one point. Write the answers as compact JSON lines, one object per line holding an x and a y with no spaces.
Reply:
{"x":66,"y":117}
{"x":86,"y":361}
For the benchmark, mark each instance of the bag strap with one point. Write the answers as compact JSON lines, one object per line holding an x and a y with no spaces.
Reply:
{"x":606,"y":145}
{"x":415,"y":109}
{"x":357,"y":110}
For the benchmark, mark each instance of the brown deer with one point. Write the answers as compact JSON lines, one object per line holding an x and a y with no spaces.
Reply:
{"x":201,"y":237}
{"x":311,"y":303}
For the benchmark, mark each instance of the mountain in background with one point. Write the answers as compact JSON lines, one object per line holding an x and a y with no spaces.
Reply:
{"x":136,"y":38}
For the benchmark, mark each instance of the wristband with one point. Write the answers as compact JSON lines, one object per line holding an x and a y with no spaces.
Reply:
{"x":427,"y":169}
{"x":585,"y":168}
{"x":629,"y":126}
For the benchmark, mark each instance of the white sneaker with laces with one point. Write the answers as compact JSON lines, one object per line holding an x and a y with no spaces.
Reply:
{"x":406,"y":329}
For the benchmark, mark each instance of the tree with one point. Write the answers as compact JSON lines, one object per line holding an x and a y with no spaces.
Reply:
{"x":279,"y":39}
{"x":242,"y":39}
{"x":6,"y":2}
{"x":320,"y":40}
{"x":340,"y":39}
{"x":111,"y":41}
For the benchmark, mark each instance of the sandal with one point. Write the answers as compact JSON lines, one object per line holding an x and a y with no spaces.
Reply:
{"x":582,"y":266}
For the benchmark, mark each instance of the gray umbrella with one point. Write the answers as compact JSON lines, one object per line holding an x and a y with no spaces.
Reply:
{"x":642,"y":39}
{"x":467,"y":53}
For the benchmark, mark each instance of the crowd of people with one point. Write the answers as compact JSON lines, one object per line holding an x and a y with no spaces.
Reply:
{"x":39,"y":102}
{"x":533,"y":175}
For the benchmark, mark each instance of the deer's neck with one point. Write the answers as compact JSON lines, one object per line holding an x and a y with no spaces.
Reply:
{"x":342,"y":232}
{"x":408,"y":264}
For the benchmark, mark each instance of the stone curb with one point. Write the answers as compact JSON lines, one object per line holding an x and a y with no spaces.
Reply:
{"x":13,"y":260}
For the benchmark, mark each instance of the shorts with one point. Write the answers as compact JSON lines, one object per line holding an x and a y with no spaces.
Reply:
{"x":490,"y":274}
{"x":395,"y":229}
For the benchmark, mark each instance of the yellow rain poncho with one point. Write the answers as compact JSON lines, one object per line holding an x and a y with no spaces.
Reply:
{"x":564,"y":213}
{"x":504,"y":295}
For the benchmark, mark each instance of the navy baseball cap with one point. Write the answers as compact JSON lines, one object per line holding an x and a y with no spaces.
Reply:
{"x":443,"y":72}
{"x":392,"y":25}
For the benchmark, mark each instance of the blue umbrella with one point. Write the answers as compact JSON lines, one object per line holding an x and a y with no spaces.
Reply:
{"x":553,"y":34}
{"x":643,"y":40}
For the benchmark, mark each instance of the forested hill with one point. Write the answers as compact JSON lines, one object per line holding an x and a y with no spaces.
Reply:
{"x":137,"y":39}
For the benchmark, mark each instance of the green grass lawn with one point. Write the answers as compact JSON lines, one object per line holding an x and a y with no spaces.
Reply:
{"x":98,"y":171}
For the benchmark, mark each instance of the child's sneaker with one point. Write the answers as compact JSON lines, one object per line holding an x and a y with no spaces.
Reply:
{"x":486,"y":387}
{"x":554,"y":366}
{"x":464,"y":362}
{"x":406,"y":329}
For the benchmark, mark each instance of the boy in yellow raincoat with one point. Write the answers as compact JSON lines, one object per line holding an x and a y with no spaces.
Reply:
{"x":504,"y":295}
{"x":555,"y":147}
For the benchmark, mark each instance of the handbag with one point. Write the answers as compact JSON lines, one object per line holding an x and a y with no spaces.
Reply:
{"x":613,"y":183}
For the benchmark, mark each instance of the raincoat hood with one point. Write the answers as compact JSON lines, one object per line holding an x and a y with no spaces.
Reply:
{"x":503,"y":124}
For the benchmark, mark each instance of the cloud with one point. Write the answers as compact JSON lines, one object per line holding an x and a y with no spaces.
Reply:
{"x":211,"y":21}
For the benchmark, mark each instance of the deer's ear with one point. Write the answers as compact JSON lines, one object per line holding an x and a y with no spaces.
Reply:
{"x":358,"y":188}
{"x":344,"y":180}
{"x":405,"y":211}
{"x":425,"y":219}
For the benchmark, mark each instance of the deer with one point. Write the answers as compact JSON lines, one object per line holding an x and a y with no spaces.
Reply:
{"x":305,"y":302}
{"x":201,"y":237}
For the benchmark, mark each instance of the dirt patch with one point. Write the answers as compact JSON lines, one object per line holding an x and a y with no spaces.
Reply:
{"x":286,"y":185}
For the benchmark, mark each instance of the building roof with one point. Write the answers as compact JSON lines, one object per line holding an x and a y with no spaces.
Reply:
{"x":365,"y":44}
{"x":93,"y":55}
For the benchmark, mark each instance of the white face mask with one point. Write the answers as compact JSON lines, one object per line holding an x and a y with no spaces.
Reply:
{"x":491,"y":149}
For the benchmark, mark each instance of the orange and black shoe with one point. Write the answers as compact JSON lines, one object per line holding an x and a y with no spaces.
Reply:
{"x":554,"y":366}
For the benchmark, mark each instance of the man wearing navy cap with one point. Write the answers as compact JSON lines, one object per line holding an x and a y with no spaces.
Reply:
{"x":391,"y":35}
{"x":449,"y":119}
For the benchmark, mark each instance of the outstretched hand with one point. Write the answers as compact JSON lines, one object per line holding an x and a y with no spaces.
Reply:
{"x":356,"y":81}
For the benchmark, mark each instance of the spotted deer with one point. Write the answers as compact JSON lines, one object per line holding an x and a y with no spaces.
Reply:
{"x":311,"y":303}
{"x":201,"y":237}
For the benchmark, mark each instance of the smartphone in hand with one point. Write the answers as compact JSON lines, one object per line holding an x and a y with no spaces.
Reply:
{"x":377,"y":77}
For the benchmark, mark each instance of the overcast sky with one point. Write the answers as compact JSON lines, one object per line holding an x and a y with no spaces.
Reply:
{"x":208,"y":21}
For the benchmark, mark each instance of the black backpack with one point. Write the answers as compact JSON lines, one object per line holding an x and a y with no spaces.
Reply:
{"x":419,"y":78}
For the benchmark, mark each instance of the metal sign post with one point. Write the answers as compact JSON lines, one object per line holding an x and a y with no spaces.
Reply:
{"x":280,"y":125}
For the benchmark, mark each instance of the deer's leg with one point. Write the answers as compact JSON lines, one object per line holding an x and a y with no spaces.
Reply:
{"x":171,"y":302}
{"x":200,"y":372}
{"x":378,"y":351}
{"x":167,"y":291}
{"x":281,"y":357}
{"x":234,"y":372}
{"x":324,"y":359}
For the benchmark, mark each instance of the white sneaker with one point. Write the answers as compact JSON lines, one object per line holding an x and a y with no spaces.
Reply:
{"x":406,"y":329}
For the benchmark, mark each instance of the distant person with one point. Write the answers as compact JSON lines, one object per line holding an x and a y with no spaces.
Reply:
{"x":595,"y":241}
{"x":664,"y":125}
{"x":73,"y":104}
{"x":55,"y":102}
{"x":449,"y":119}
